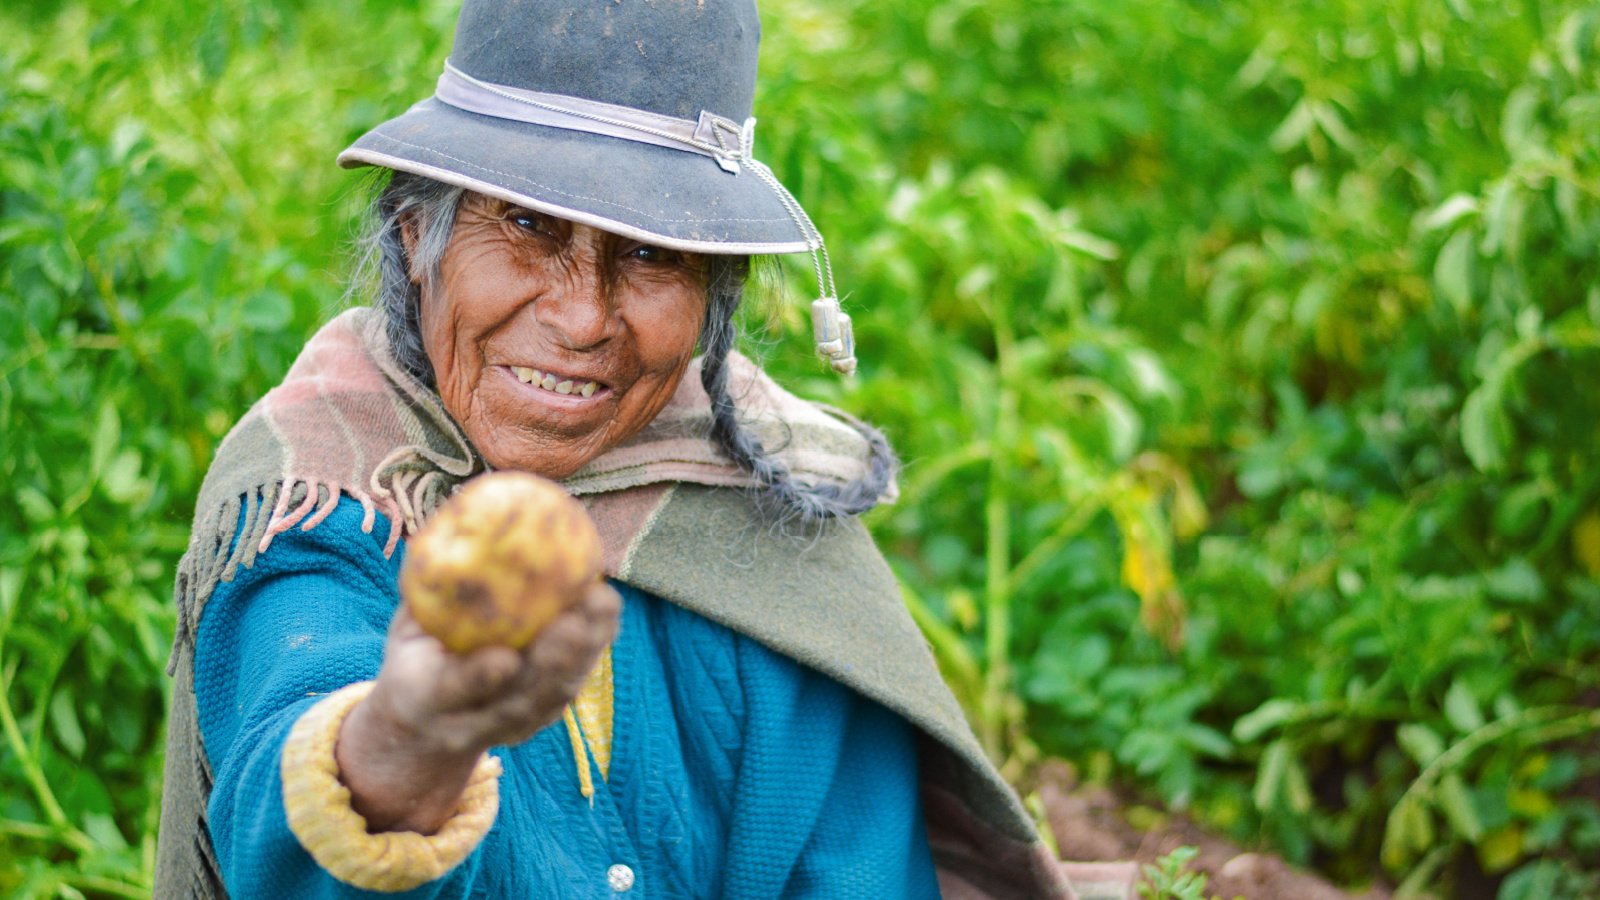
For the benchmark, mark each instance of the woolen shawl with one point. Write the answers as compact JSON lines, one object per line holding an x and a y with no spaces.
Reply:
{"x":676,"y":518}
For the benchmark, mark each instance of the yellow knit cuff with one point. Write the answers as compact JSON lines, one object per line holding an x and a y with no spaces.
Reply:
{"x":336,"y":835}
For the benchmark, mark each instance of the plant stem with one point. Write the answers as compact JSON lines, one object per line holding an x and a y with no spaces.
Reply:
{"x":1069,"y":528}
{"x":108,"y":886}
{"x":35,"y":776}
{"x":1557,"y":722}
{"x":30,"y":830}
{"x":951,"y":652}
{"x":922,"y":478}
{"x":997,"y":544}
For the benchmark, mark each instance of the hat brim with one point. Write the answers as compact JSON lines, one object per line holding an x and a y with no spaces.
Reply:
{"x":670,"y":198}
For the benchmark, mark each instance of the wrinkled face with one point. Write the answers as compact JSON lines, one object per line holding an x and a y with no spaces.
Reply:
{"x":552,"y":341}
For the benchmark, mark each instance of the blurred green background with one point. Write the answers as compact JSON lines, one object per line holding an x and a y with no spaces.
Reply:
{"x":1245,"y":359}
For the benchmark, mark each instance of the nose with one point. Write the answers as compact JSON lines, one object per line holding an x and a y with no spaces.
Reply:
{"x":579,"y":308}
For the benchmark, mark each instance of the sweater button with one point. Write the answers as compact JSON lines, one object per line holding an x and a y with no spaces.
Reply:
{"x":620,"y":878}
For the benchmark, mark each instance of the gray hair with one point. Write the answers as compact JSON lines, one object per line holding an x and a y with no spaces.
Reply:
{"x":431,"y":207}
{"x":384,"y":264}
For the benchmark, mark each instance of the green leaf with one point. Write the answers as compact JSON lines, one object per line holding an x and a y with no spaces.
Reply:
{"x":1150,"y":376}
{"x":1461,"y":708}
{"x":1294,"y":128}
{"x":103,"y":830}
{"x":267,"y":311}
{"x":1409,"y":831}
{"x":1270,"y":775}
{"x":60,"y":266}
{"x":107,"y":432}
{"x":36,"y":507}
{"x":64,"y":722}
{"x":1485,"y":429}
{"x":10,"y":586}
{"x":1207,"y":741}
{"x":1123,"y":425}
{"x":1264,"y":718}
{"x":1519,"y":128}
{"x":1520,"y":509}
{"x":1517,"y":581}
{"x":1451,"y":211}
{"x":121,"y":479}
{"x":1333,"y":125}
{"x":1459,"y":809}
{"x":1452,"y":271}
{"x":1420,"y":742}
{"x":1296,"y":787}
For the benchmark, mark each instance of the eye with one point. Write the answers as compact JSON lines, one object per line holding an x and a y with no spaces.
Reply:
{"x":530,"y":221}
{"x":652,"y":254}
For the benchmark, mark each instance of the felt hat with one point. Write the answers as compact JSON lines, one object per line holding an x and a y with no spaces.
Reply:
{"x":632,"y":116}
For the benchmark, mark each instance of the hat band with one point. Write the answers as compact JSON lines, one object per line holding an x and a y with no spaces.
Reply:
{"x":712,"y":135}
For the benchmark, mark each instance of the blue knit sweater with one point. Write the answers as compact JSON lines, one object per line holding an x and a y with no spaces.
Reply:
{"x":735,"y":772}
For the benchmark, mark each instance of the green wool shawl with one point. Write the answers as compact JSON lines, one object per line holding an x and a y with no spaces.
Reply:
{"x":676,"y":519}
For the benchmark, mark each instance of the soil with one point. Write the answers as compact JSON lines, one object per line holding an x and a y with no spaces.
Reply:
{"x":1089,"y":824}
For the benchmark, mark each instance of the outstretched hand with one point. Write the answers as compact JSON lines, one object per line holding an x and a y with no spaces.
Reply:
{"x":407,"y":750}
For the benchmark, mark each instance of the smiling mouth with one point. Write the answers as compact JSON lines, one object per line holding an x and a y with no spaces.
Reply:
{"x":555,"y":382}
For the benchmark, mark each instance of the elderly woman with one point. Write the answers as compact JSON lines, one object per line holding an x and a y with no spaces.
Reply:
{"x":744,"y":709}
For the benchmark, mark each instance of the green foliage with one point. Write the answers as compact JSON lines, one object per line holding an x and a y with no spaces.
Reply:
{"x":1243,"y":359}
{"x":1272,"y":329}
{"x":1170,"y":879}
{"x":165,"y":245}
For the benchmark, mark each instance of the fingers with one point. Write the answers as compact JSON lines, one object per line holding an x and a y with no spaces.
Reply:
{"x":496,"y":694}
{"x":567,"y":649}
{"x":602,"y":602}
{"x":478,"y":678}
{"x":551,"y":671}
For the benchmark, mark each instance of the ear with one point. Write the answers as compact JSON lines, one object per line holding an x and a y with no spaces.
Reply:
{"x":408,"y":241}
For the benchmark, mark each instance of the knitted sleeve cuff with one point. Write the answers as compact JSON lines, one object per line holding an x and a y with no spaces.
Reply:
{"x":320,"y":815}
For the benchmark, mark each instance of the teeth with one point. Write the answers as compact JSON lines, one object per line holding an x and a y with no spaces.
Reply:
{"x":547,"y":380}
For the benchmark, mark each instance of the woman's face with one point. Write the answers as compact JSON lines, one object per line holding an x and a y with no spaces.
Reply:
{"x":552,"y":341}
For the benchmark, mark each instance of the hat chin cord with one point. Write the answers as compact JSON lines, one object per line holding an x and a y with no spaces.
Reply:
{"x":830,"y":325}
{"x":708,"y":136}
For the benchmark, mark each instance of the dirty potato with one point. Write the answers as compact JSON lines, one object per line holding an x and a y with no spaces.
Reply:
{"x":498,"y":561}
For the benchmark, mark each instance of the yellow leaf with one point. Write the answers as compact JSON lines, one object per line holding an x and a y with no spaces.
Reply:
{"x":1138,"y":570}
{"x":1188,"y":510}
{"x":1530,"y":803}
{"x":1147,"y":571}
{"x":1533,"y":766}
{"x":1586,"y":542}
{"x":963,"y":608}
{"x":1501,"y":849}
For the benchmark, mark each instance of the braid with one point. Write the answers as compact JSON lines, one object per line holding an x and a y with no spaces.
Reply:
{"x":783,"y":496}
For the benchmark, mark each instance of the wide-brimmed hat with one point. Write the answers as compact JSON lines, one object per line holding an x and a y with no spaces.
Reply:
{"x":632,"y":116}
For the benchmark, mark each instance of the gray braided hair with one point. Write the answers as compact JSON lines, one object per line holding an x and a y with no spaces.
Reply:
{"x":383,"y":263}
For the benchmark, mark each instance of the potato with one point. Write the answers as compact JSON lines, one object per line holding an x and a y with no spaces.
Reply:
{"x":499,"y":561}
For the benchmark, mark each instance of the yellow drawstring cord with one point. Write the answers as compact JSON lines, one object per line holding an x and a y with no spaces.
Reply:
{"x":593,"y":709}
{"x":579,"y":755}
